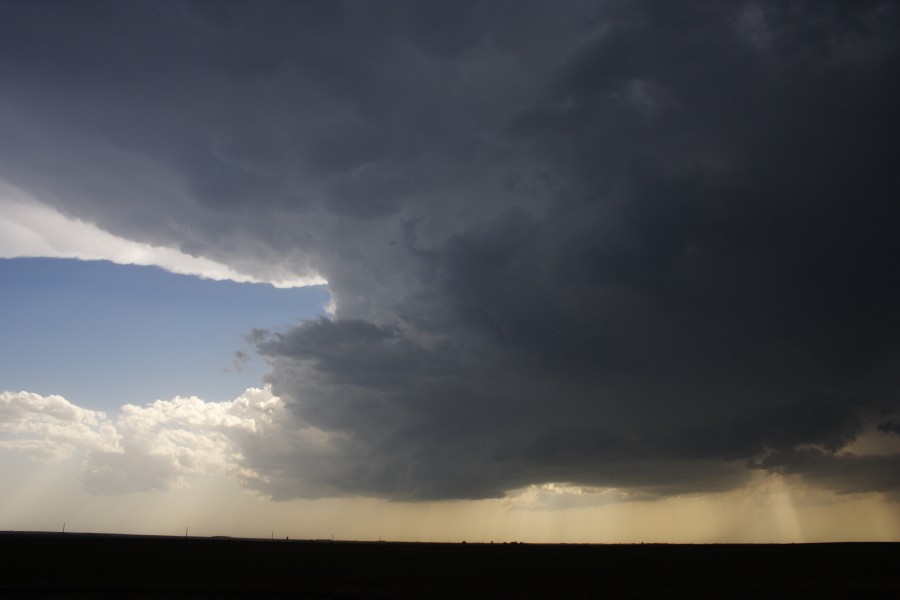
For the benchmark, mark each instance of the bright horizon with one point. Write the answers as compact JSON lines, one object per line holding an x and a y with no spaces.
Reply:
{"x":213,"y":506}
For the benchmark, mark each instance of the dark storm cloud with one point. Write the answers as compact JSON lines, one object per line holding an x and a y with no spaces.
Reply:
{"x":846,"y":474}
{"x":644,"y":245}
{"x":891,"y":426}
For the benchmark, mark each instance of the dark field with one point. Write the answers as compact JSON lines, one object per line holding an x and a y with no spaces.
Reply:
{"x":104,"y":566}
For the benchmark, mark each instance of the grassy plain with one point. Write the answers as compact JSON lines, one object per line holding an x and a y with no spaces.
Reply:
{"x":71,"y":565}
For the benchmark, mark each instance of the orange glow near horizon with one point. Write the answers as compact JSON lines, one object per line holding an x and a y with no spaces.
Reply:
{"x":771,"y":509}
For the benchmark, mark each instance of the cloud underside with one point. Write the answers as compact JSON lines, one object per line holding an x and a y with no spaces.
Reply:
{"x":618,"y":244}
{"x":30,"y":229}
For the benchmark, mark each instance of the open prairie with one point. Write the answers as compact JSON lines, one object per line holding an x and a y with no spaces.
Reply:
{"x":45,"y":565}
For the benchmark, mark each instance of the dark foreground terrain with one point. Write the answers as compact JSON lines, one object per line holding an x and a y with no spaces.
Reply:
{"x":70,"y":565}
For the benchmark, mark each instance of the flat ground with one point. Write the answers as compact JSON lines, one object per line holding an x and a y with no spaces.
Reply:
{"x":44,"y":565}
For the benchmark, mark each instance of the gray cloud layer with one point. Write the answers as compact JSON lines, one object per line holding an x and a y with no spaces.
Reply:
{"x":637,"y":244}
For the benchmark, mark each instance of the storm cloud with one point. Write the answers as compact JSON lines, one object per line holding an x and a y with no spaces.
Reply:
{"x":641,"y":245}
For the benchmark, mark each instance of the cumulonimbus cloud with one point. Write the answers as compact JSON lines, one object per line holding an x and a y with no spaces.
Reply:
{"x":639,"y":245}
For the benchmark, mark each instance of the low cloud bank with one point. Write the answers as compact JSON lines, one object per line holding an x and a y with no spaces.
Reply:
{"x":155,"y":447}
{"x":255,"y":440}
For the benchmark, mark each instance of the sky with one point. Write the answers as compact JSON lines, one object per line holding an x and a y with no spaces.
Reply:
{"x":599,"y":271}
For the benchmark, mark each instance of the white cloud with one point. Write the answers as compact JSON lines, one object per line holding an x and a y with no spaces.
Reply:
{"x":29,"y":228}
{"x":50,"y":428}
{"x":155,"y":447}
{"x":180,"y":437}
{"x":556,"y":496}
